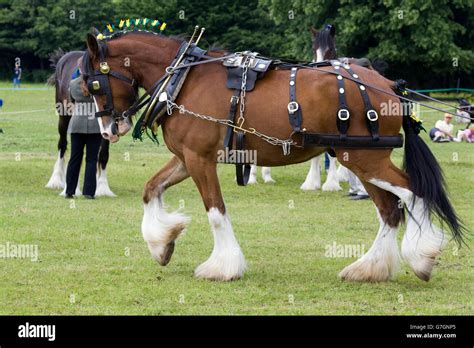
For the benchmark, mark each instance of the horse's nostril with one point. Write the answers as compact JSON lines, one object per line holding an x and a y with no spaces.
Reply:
{"x":105,"y":135}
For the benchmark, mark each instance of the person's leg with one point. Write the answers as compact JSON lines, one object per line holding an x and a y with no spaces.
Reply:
{"x":92,"y":152}
{"x":353,"y":183}
{"x":362,"y":192}
{"x":74,"y":164}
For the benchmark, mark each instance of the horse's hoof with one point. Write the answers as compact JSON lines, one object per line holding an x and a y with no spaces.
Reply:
{"x":167,"y":253}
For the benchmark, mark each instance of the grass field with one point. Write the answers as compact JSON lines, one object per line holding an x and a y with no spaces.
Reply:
{"x":93,"y":260}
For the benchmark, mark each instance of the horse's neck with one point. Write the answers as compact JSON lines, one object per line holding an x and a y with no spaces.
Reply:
{"x":151,"y":62}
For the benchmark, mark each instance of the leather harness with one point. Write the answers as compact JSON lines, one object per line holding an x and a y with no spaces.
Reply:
{"x":243,"y":71}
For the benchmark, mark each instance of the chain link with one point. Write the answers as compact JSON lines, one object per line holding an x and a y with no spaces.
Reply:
{"x":285,"y":144}
{"x":243,"y":90}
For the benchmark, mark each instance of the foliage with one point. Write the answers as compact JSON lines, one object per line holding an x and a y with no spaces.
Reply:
{"x":427,"y":43}
{"x":420,"y":40}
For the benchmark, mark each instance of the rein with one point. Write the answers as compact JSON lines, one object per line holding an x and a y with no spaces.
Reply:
{"x":101,"y":85}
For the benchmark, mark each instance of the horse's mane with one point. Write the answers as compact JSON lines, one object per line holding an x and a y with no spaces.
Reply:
{"x":178,"y":38}
{"x":119,"y":34}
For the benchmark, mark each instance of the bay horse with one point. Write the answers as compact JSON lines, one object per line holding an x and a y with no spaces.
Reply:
{"x":195,"y":143}
{"x":324,"y":48}
{"x":65,"y":64}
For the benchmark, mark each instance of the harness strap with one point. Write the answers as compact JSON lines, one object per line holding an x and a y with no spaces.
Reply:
{"x":371,"y":115}
{"x":352,"y":141}
{"x":343,"y":114}
{"x":242,"y":170}
{"x":234,"y":101}
{"x":294,"y":109}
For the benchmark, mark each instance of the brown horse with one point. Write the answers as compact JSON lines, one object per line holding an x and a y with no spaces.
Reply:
{"x":196,"y":143}
{"x":65,"y":64}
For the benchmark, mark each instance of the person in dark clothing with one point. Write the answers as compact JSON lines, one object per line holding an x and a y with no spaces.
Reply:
{"x":17,"y":76}
{"x":85,"y":132}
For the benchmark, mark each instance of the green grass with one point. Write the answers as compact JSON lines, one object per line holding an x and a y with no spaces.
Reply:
{"x":82,"y":250}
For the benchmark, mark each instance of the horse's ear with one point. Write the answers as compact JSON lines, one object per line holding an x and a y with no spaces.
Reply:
{"x":92,"y":46}
{"x":313,"y":30}
{"x":95,"y":31}
{"x":332,"y":31}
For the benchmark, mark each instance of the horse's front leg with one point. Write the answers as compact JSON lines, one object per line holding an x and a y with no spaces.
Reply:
{"x":160,"y":228}
{"x":103,"y":188}
{"x":227,"y":261}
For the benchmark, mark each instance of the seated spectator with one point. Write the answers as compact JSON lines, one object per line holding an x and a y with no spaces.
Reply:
{"x":443,"y":130}
{"x":466,"y":135}
{"x":465,"y":112}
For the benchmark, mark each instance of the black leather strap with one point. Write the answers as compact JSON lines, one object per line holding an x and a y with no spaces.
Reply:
{"x":242,"y":170}
{"x":343,"y":114}
{"x":371,"y":115}
{"x":352,"y":141}
{"x":294,"y":109}
{"x":234,"y":101}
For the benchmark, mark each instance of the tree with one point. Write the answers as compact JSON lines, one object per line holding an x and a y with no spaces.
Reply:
{"x":420,"y":40}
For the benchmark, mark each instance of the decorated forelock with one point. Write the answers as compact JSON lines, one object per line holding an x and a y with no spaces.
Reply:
{"x":131,"y":24}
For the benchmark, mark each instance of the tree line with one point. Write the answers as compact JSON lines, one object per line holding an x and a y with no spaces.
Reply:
{"x":429,"y":43}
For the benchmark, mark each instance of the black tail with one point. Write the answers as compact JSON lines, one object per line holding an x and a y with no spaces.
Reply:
{"x":427,"y":180}
{"x":54,"y":59}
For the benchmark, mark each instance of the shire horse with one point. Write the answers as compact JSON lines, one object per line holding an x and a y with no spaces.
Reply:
{"x":65,"y":64}
{"x":195,"y":143}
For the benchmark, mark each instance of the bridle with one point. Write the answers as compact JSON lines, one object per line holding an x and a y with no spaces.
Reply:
{"x":97,"y":81}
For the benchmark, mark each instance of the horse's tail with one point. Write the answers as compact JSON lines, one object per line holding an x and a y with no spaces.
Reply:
{"x":54,"y":59}
{"x":427,"y":179}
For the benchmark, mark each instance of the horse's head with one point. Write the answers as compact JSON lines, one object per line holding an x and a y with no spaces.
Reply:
{"x":324,"y":43}
{"x":108,"y":79}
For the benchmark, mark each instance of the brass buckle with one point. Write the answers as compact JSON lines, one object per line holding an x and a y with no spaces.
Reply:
{"x":234,"y":99}
{"x":104,"y":68}
{"x":95,"y":85}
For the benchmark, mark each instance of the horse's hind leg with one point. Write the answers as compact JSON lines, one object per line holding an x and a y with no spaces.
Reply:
{"x":227,"y":261}
{"x":103,"y":188}
{"x":160,"y":228}
{"x":422,"y":241}
{"x":382,"y":260}
{"x":58,"y":177}
{"x":313,"y":178}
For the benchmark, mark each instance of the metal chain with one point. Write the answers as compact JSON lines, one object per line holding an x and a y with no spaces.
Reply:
{"x":243,"y":90}
{"x":285,"y":144}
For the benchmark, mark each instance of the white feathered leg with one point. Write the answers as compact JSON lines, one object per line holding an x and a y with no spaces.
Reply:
{"x":253,"y":175}
{"x":58,"y":177}
{"x":342,"y":174}
{"x":332,"y":184}
{"x":313,"y":179}
{"x":160,"y":229}
{"x":381,"y":262}
{"x":227,"y":261}
{"x":422,"y":241}
{"x":267,"y":176}
{"x":103,"y":188}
